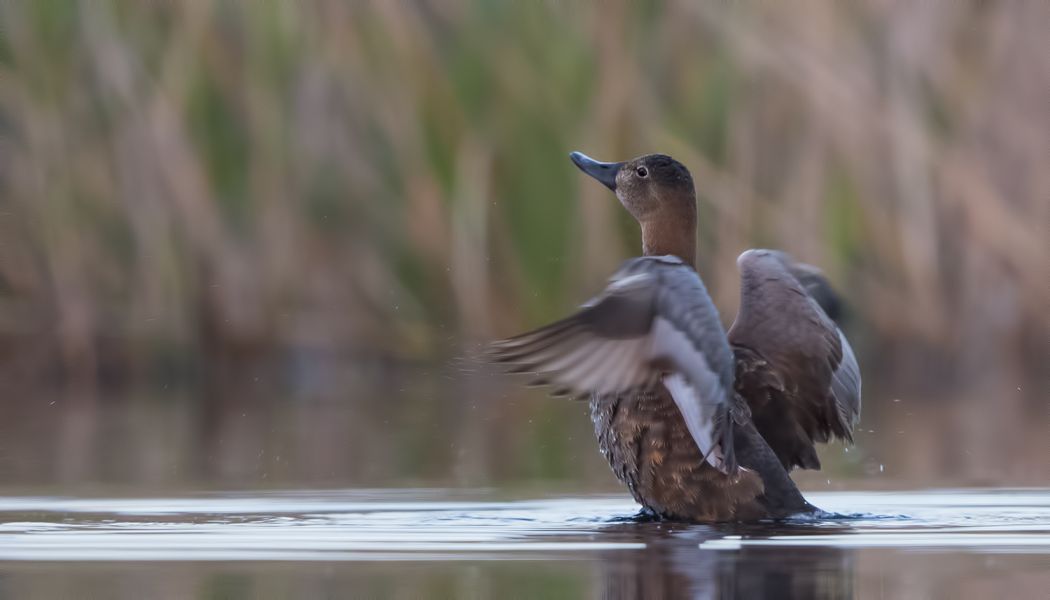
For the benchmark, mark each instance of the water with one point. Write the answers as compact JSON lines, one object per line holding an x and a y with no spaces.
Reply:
{"x":455,"y":543}
{"x":453,"y":487}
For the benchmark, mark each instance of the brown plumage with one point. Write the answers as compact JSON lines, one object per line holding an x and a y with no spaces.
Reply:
{"x":676,"y":404}
{"x":793,"y":365}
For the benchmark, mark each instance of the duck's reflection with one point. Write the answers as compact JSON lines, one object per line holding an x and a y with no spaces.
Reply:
{"x":673,"y":565}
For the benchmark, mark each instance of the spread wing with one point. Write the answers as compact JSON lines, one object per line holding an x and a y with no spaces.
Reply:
{"x":819,"y":288}
{"x":794,"y":367}
{"x":653,"y":325}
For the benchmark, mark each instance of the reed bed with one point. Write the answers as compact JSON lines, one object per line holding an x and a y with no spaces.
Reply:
{"x":185,"y":182}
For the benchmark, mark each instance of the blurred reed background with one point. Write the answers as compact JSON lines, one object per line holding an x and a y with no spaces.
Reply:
{"x":188,"y":185}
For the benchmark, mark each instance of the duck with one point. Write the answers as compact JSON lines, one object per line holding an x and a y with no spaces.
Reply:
{"x":699,"y":423}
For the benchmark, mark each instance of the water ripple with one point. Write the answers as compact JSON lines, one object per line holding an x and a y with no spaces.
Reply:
{"x":425,"y":525}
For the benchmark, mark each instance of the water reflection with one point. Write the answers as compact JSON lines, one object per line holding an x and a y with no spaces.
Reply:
{"x":350,"y":425}
{"x":675,"y":565}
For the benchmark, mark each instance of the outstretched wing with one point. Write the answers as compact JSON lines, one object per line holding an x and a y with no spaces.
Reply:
{"x":794,"y":366}
{"x":654,"y":324}
{"x":818,"y":287}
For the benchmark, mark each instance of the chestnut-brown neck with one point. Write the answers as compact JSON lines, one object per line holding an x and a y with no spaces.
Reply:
{"x":671,"y":234}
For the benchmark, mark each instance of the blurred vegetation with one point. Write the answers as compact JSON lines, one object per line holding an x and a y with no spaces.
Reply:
{"x":184,"y":182}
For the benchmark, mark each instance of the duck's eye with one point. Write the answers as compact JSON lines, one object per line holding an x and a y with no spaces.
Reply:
{"x":642,"y":172}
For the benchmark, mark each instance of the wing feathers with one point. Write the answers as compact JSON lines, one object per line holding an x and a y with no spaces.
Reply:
{"x":794,"y":366}
{"x":845,"y":388}
{"x":654,"y":322}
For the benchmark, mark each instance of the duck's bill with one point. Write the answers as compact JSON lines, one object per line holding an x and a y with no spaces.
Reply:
{"x":605,"y":172}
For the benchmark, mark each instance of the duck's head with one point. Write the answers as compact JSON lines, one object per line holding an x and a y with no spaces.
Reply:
{"x":658,"y":192}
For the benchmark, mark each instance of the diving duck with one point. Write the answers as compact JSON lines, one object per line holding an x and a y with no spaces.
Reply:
{"x":700,"y":424}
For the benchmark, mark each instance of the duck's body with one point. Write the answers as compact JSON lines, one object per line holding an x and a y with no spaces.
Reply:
{"x":677,"y":404}
{"x":649,"y":449}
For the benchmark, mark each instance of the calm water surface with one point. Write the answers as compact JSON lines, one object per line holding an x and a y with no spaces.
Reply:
{"x":443,"y":543}
{"x":460,"y":487}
